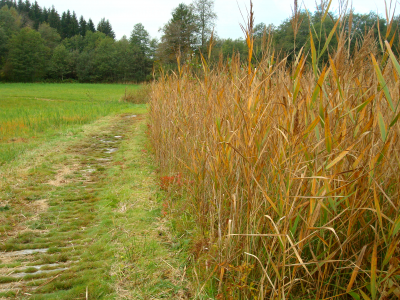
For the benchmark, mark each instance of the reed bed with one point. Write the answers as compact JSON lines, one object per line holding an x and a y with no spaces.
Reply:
{"x":290,"y":171}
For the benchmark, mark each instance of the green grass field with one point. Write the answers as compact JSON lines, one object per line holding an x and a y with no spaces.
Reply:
{"x":32,"y":113}
{"x":78,"y":188}
{"x":92,"y":217}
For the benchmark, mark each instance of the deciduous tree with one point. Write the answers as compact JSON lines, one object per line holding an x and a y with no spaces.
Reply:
{"x":125,"y":64}
{"x":49,"y":35}
{"x":10,"y":21}
{"x":60,"y":64}
{"x":105,"y":59}
{"x":27,"y":56}
{"x":205,"y":17}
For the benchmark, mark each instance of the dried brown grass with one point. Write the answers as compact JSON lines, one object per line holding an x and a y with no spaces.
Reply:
{"x":138,"y":95}
{"x":293,"y":171}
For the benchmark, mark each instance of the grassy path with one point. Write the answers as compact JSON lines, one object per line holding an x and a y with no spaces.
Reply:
{"x":81,"y":219}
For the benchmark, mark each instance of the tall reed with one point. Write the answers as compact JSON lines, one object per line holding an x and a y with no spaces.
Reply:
{"x":293,"y":170}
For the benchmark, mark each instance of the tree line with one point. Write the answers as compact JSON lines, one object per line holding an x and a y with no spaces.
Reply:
{"x":66,"y":24}
{"x":183,"y":36}
{"x":39,"y":44}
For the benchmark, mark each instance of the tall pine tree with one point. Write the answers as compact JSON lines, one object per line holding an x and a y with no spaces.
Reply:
{"x":104,"y":26}
{"x":63,"y":25}
{"x":140,"y":38}
{"x":54,"y":19}
{"x":90,"y":26}
{"x":74,"y":25}
{"x":66,"y":28}
{"x":27,"y":6}
{"x":82,"y":26}
{"x":179,"y":34}
{"x":140,"y":48}
{"x":45,"y":15}
{"x":36,"y":15}
{"x":20,"y":5}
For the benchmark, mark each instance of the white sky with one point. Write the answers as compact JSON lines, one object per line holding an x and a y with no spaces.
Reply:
{"x":124,"y":14}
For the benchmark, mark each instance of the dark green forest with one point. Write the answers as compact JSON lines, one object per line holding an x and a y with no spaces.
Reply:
{"x":40,"y":44}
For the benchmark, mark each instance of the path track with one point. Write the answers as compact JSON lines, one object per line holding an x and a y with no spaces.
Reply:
{"x":66,"y":249}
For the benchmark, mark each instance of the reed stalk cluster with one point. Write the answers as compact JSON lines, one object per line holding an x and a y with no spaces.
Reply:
{"x":291,"y":170}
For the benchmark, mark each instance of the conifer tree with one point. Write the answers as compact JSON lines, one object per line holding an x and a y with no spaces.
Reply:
{"x":20,"y":5}
{"x":3,"y":46}
{"x":27,"y":6}
{"x":74,"y":25}
{"x":179,"y":34}
{"x":45,"y":15}
{"x":67,"y":29}
{"x":63,"y":25}
{"x":140,"y":48}
{"x":35,"y":14}
{"x":140,"y":38}
{"x":66,"y":26}
{"x":82,"y":26}
{"x":90,"y":26}
{"x":54,"y":19}
{"x":104,"y":26}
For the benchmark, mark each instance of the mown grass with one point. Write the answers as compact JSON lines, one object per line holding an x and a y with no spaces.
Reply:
{"x":108,"y":232}
{"x":64,"y":91}
{"x":30,"y":113}
{"x":290,"y":172}
{"x":151,"y":263}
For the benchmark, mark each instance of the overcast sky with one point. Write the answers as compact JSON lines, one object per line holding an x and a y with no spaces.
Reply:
{"x":153,"y":14}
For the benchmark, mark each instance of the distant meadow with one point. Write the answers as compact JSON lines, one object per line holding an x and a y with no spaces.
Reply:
{"x":32,"y":112}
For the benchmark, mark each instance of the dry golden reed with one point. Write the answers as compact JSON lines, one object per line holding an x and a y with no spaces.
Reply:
{"x":294,"y":171}
{"x":137,"y":95}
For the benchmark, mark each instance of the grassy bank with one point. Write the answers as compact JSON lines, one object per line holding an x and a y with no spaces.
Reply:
{"x":289,"y":172}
